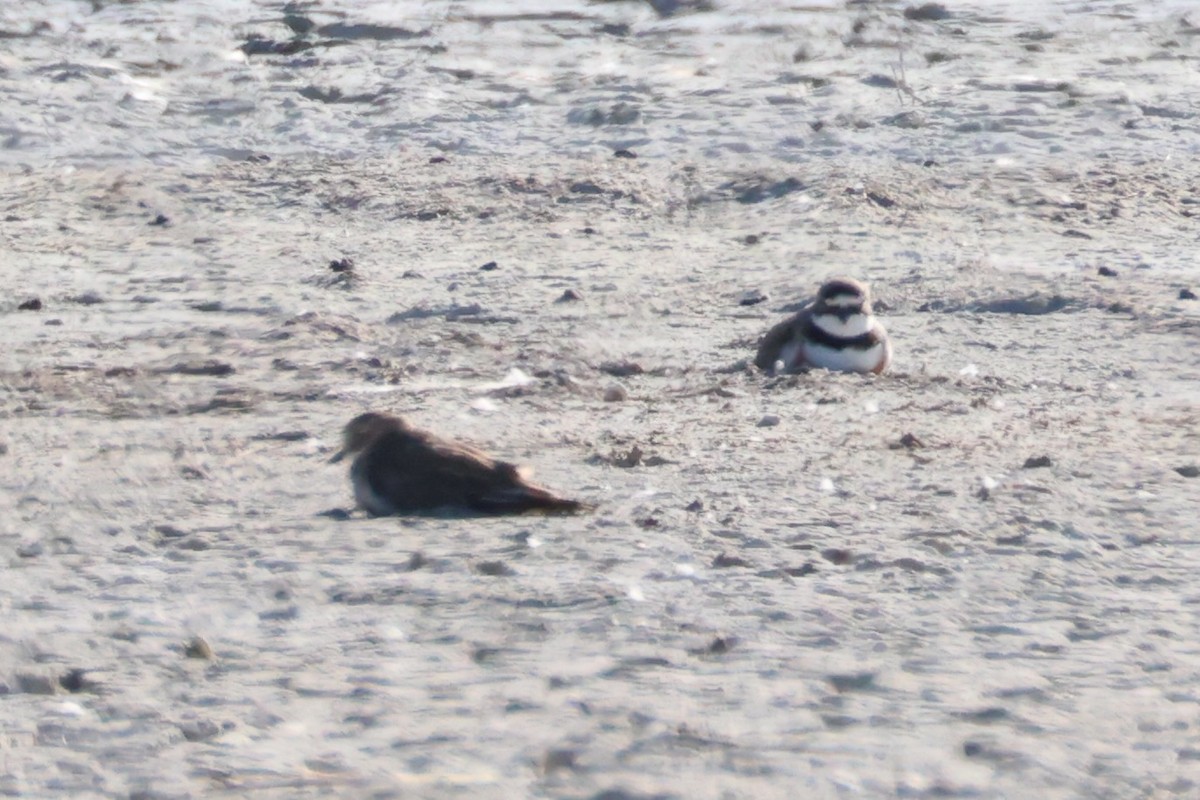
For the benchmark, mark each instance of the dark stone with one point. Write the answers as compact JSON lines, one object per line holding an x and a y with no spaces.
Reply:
{"x":73,"y":681}
{"x":199,"y":730}
{"x":880,"y":81}
{"x":214,"y":369}
{"x":881,"y":200}
{"x":929,"y":12}
{"x":752,"y":297}
{"x":725,"y":560}
{"x":198,"y":648}
{"x":494,"y":569}
{"x":852,"y":682}
{"x":837,"y":555}
{"x":621,"y":369}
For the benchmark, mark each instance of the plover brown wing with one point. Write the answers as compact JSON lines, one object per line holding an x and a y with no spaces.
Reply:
{"x":784,"y":334}
{"x":402,"y":470}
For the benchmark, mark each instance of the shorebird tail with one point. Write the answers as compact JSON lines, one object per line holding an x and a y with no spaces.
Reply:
{"x":529,"y":499}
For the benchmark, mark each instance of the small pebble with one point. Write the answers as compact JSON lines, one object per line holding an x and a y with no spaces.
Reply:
{"x":162,"y":220}
{"x":490,"y":266}
{"x":621,"y":369}
{"x":719,"y":646}
{"x":556,"y":760}
{"x":30,"y":549}
{"x":752,"y":297}
{"x":725,"y":560}
{"x":198,"y":648}
{"x":88,"y":299}
{"x":837,"y":555}
{"x":1037,"y":462}
{"x":769,"y":421}
{"x":73,"y":680}
{"x":341,"y":265}
{"x":852,"y":682}
{"x":35,"y":304}
{"x":1187,"y":294}
{"x":569,"y":296}
{"x":199,"y":730}
{"x":929,"y":12}
{"x":1189,"y":471}
{"x":1106,"y":272}
{"x":623,"y":153}
{"x":34,"y":683}
{"x":615,"y":394}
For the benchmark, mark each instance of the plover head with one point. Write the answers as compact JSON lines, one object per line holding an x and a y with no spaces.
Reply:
{"x":843,"y":308}
{"x":364,"y":429}
{"x":843,"y":297}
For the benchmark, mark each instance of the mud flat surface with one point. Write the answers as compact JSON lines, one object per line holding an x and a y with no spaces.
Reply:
{"x":227,"y":228}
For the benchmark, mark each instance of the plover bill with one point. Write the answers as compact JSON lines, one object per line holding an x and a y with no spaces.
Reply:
{"x":402,"y":470}
{"x":835,"y":331}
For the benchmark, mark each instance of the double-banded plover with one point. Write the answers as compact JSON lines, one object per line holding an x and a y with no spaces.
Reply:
{"x":834,"y":331}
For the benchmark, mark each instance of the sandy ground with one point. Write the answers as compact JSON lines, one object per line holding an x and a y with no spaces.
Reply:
{"x":970,"y":577}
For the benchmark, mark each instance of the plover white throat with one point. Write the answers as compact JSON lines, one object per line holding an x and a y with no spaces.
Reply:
{"x":402,"y":470}
{"x":834,"y":331}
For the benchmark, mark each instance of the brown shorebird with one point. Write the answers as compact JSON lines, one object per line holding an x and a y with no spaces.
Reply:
{"x":834,"y":331}
{"x":402,"y":470}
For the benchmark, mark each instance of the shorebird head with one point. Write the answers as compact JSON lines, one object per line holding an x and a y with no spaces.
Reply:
{"x":844,"y":295}
{"x":364,"y":429}
{"x":843,"y":308}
